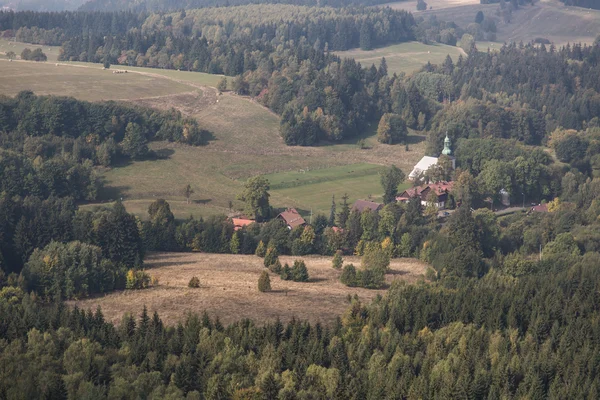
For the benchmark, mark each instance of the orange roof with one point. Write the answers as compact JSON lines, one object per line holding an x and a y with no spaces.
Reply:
{"x":540,"y":208}
{"x":239,"y":223}
{"x":292,"y":218}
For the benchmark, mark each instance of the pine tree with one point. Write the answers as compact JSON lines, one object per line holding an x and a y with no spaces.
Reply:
{"x":264,"y":282}
{"x":260,"y":249}
{"x":234,"y":244}
{"x":337,"y":260}
{"x":331,"y":221}
{"x":344,"y":212}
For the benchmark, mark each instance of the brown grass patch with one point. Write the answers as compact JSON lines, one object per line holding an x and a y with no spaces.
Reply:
{"x":229,"y":289}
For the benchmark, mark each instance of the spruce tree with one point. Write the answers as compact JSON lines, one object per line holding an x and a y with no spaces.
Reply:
{"x":264,"y":282}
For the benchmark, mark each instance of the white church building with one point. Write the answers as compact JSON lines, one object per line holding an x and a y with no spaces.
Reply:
{"x":426,"y":162}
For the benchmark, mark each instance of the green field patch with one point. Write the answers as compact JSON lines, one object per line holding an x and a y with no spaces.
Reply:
{"x":51,"y":52}
{"x":404,"y":57}
{"x":291,"y":179}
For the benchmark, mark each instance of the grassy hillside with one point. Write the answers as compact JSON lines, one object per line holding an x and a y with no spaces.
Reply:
{"x":405,"y":57}
{"x":549,"y":19}
{"x":246,"y":143}
{"x":17,"y":47}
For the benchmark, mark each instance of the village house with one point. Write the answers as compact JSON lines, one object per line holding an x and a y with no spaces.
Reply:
{"x":239,"y":223}
{"x":441,"y":190}
{"x":292,"y":218}
{"x":361,"y":205}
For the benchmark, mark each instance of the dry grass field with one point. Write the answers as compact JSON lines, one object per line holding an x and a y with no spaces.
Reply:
{"x":229,"y":289}
{"x":548,"y":19}
{"x":17,"y":47}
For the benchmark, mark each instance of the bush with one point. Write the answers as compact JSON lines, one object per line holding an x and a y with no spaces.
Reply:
{"x":194,"y":282}
{"x":139,"y":280}
{"x":348,"y":276}
{"x":337,"y":260}
{"x":264,"y":282}
{"x":260,"y":249}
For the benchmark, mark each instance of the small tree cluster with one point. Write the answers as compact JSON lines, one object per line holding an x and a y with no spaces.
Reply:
{"x":35,"y":55}
{"x":298,"y":273}
{"x":139,"y":280}
{"x":271,"y":257}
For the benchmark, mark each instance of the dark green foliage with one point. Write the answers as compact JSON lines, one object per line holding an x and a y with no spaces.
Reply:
{"x":571,"y":148}
{"x":391,"y":129}
{"x":421,"y":5}
{"x":348,"y":276}
{"x":71,"y":270}
{"x":264,"y":282}
{"x":390,"y":180}
{"x":298,"y":272}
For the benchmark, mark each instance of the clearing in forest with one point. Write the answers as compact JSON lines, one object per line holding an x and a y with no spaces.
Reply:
{"x":229,"y":289}
{"x":404,"y":57}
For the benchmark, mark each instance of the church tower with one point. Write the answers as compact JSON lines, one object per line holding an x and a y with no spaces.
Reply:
{"x":447,"y":143}
{"x":448,"y":151}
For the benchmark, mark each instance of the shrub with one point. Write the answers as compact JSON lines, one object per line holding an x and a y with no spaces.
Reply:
{"x":138,"y":280}
{"x":264,"y":282}
{"x":271,"y":257}
{"x":299,"y":271}
{"x":337,"y":260}
{"x":194,"y":282}
{"x":260,"y":249}
{"x":348,"y":276}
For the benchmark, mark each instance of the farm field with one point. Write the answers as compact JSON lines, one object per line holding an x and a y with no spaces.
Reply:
{"x":313,"y":189}
{"x":246,"y":143}
{"x":229,"y":289}
{"x":404,"y":57}
{"x":548,"y":19}
{"x":92,"y":84}
{"x":10,"y":45}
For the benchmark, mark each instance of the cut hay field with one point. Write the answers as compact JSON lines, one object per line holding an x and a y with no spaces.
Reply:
{"x":10,"y":45}
{"x":92,"y":84}
{"x":229,"y":289}
{"x":548,"y":19}
{"x":404,"y":57}
{"x":246,"y":142}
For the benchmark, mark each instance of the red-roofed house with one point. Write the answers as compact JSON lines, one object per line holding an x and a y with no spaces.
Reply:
{"x":540,"y":208}
{"x":292,"y":218}
{"x":362,"y":205}
{"x":239,"y":223}
{"x":441,"y":189}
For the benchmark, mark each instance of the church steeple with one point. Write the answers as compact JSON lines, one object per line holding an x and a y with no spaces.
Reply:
{"x":447,"y":143}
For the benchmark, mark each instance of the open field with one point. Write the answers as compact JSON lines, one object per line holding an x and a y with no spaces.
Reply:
{"x":229,"y":289}
{"x":91,"y":84}
{"x":246,"y":142}
{"x":10,"y":45}
{"x":313,"y":189}
{"x":548,"y":19}
{"x":404,"y":57}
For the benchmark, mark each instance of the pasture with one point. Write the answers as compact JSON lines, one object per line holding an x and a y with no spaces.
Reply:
{"x":92,"y":84}
{"x":17,"y":47}
{"x":404,"y":57}
{"x":228,"y":288}
{"x":548,"y":19}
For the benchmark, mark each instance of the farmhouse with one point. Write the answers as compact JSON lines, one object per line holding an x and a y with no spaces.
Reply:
{"x":441,"y":190}
{"x":427,"y":162}
{"x":361,"y":205}
{"x":292,"y":218}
